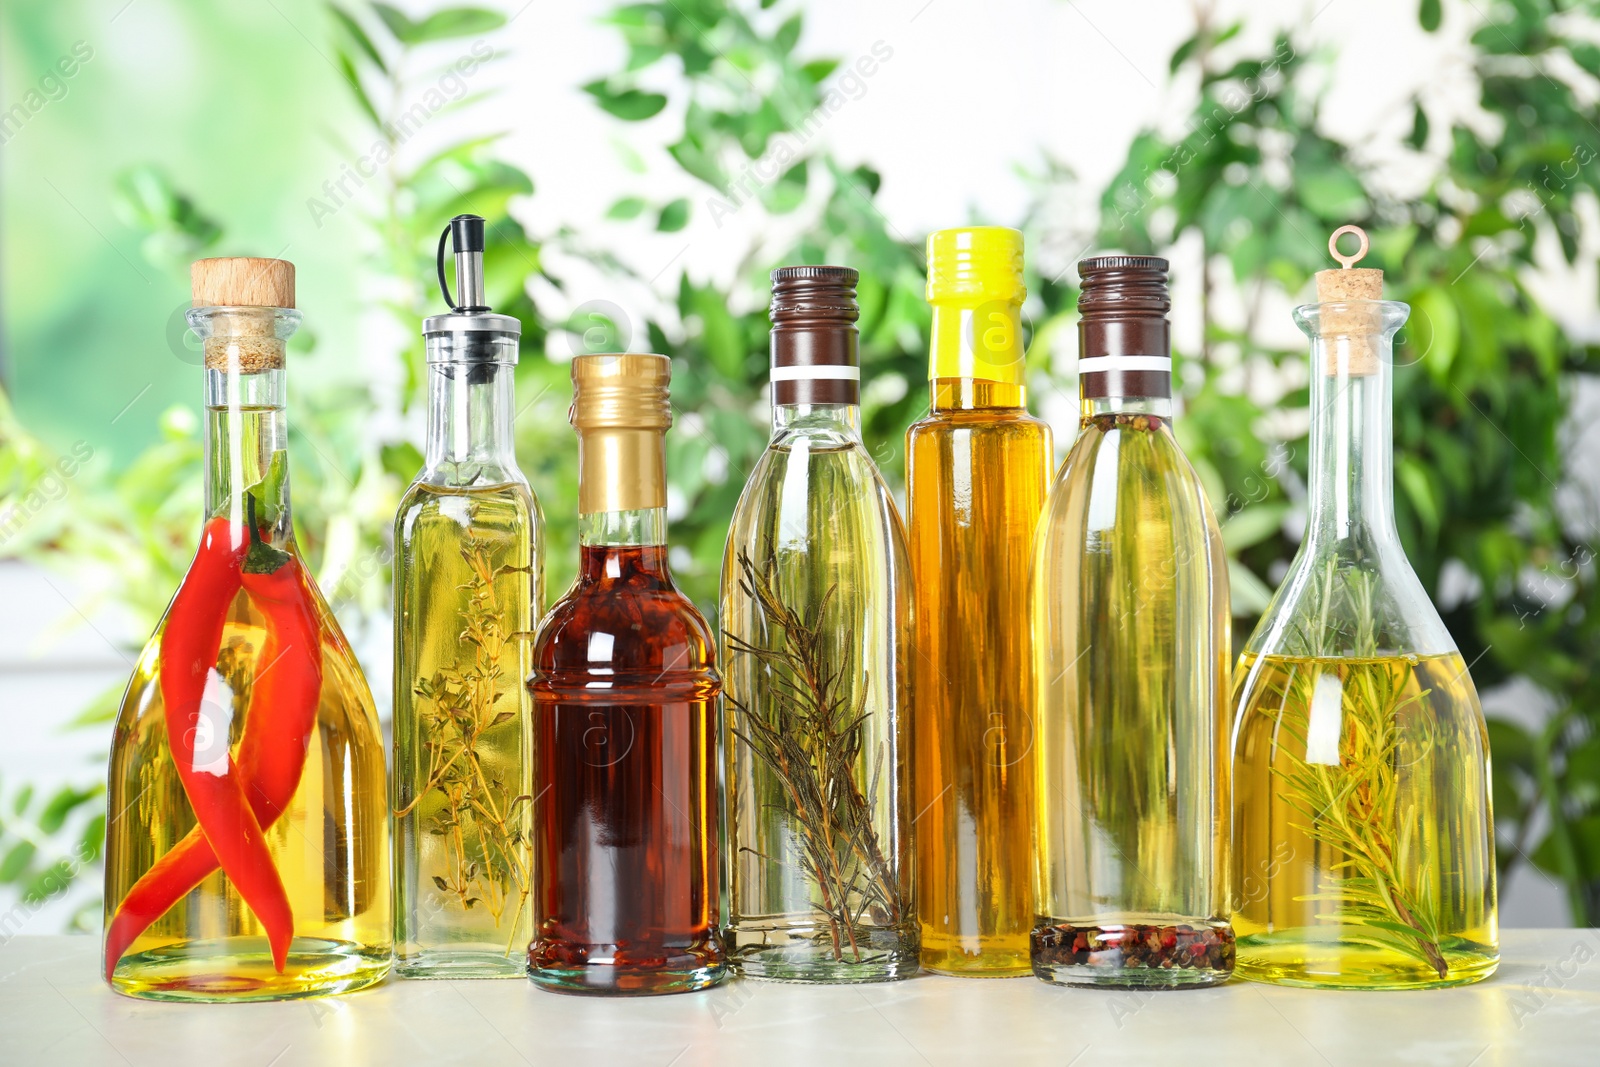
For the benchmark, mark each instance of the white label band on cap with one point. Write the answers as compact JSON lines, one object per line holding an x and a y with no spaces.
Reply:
{"x":1102,"y":364}
{"x":821,"y":371}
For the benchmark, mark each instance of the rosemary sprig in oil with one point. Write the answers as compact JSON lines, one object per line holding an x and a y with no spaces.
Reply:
{"x":807,"y":732}
{"x":1352,"y":806}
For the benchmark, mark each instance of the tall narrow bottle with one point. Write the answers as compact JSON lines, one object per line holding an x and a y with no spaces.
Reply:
{"x":1363,"y":836}
{"x":815,"y":620}
{"x":1131,"y":651}
{"x":469,"y":582}
{"x":625,"y":725}
{"x":976,"y":473}
{"x":247,"y":842}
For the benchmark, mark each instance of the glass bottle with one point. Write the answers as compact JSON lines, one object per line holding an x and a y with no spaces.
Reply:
{"x":247,"y":841}
{"x":469,"y":583}
{"x":976,"y":474}
{"x":625,"y":721}
{"x":1131,"y":651}
{"x":815,"y":615}
{"x":1363,"y":836}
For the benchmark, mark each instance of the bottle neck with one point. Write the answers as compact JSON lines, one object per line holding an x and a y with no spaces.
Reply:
{"x":1352,"y":461}
{"x":976,"y":356}
{"x":469,"y":425}
{"x":624,"y":544}
{"x":833,"y":424}
{"x":1091,"y":407}
{"x":244,"y":427}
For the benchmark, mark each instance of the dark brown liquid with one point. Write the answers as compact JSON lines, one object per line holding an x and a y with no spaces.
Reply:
{"x":624,"y":818}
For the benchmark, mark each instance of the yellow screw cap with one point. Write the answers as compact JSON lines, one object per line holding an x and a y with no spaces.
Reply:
{"x":975,"y":287}
{"x":974,"y":265}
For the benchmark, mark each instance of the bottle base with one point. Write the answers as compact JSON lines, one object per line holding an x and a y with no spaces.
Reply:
{"x":954,"y":963}
{"x":1310,"y":958}
{"x":611,"y":981}
{"x":239,"y":969}
{"x":1154,"y":955}
{"x":450,"y":965}
{"x":804,"y":953}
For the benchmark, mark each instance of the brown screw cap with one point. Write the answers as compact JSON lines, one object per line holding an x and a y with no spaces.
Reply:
{"x":1124,"y":338}
{"x":814,"y":341}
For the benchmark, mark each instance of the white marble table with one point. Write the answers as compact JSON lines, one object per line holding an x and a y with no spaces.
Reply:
{"x":1542,"y":1008}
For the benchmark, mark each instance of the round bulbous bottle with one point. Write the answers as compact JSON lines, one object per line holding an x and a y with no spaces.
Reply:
{"x":1363,"y":835}
{"x":247,"y":837}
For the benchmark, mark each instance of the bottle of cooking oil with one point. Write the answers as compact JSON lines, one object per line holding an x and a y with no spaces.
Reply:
{"x":247,"y":850}
{"x":816,"y":603}
{"x":469,"y":551}
{"x":977,"y":468}
{"x":1363,"y":837}
{"x":1130,"y":635}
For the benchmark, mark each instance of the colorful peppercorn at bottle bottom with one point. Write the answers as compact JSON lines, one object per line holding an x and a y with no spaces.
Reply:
{"x":246,"y":839}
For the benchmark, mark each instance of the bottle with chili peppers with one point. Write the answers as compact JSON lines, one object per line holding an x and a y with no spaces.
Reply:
{"x":469,"y":550}
{"x":625,"y":721}
{"x":247,"y":837}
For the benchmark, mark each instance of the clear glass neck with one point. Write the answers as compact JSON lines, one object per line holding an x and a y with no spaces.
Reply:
{"x":1093,"y":407}
{"x":647,"y":526}
{"x":469,"y":425}
{"x":245,"y":425}
{"x":614,"y":544}
{"x":835,"y":424}
{"x":1352,"y":461}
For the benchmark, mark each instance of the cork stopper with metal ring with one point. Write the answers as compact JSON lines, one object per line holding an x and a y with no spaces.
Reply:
{"x":471,"y":333}
{"x":1124,"y":338}
{"x":814,"y":341}
{"x":244,"y":297}
{"x":1350,"y":319}
{"x":621,"y":411}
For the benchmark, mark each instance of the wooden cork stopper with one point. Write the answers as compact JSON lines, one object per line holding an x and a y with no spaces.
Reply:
{"x":243,"y":337}
{"x":1350,"y":329}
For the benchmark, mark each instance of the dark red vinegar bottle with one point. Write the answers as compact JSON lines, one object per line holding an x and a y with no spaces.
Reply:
{"x":624,"y":688}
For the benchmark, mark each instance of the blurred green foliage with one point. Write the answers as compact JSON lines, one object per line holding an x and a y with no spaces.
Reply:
{"x":1482,"y":382}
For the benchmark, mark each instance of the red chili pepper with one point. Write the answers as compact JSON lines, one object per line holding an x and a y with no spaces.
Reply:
{"x":272,"y":752}
{"x":215,"y":785}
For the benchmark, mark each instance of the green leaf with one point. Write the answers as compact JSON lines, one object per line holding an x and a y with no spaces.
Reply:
{"x":1429,"y":15}
{"x":17,"y":861}
{"x":1181,"y":54}
{"x":1252,"y":526}
{"x":439,"y":26}
{"x":1248,"y":594}
{"x":269,"y":491}
{"x":817,"y":70}
{"x":630,"y":105}
{"x":396,"y":20}
{"x":788,"y":192}
{"x":456,"y":22}
{"x":353,"y":30}
{"x":61,"y":805}
{"x":788,"y":35}
{"x":1419,"y":128}
{"x":629,"y":207}
{"x":673,"y":217}
{"x":24,"y":798}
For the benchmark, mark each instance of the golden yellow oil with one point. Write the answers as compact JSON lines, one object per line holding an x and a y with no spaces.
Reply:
{"x":330,"y":845}
{"x":1363,"y":835}
{"x":976,"y":472}
{"x":468,"y":587}
{"x":1131,"y":628}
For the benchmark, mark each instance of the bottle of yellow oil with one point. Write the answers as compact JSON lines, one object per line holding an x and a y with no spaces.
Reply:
{"x":468,"y":585}
{"x":976,"y":472}
{"x":1363,"y":837}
